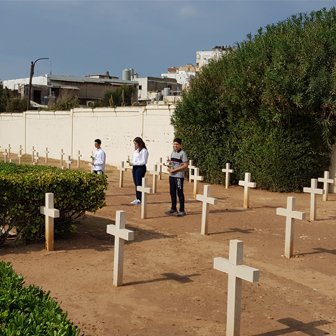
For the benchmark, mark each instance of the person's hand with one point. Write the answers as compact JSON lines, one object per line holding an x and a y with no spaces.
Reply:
{"x":92,"y":163}
{"x":130,"y":163}
{"x":170,"y":170}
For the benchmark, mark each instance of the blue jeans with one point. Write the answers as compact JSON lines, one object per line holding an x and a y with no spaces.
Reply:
{"x":138,"y":173}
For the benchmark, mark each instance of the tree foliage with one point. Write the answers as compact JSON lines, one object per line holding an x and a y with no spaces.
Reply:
{"x":8,"y":103}
{"x":268,"y":107}
{"x":122,"y":96}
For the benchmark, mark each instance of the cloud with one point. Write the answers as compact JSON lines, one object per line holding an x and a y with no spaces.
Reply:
{"x":188,"y":12}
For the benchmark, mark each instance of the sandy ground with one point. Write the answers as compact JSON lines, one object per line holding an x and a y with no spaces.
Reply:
{"x":170,"y":286}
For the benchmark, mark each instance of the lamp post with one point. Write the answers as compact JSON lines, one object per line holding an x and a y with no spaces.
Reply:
{"x":32,"y":66}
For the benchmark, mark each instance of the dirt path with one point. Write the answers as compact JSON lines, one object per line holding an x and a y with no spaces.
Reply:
{"x":171,"y":287}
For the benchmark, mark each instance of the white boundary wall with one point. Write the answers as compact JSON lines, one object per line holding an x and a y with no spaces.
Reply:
{"x":76,"y":130}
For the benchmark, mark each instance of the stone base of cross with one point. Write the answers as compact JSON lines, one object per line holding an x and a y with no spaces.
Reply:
{"x":206,"y":199}
{"x":247,"y":184}
{"x":144,"y":191}
{"x":326,"y":181}
{"x":50,"y":213}
{"x":237,"y":273}
{"x":120,"y":235}
{"x":313,"y":190}
{"x":227,"y":172}
{"x":290,"y":215}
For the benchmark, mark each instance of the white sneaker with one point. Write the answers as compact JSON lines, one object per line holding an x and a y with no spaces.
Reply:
{"x":136,"y":202}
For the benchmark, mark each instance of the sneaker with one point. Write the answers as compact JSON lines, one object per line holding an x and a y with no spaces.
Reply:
{"x":136,"y":202}
{"x":170,"y":212}
{"x":181,"y":214}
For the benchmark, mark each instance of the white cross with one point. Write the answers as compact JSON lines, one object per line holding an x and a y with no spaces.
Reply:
{"x":50,"y":213}
{"x":33,"y":153}
{"x":144,"y":191}
{"x":247,"y":185}
{"x":191,"y":168}
{"x":326,"y":180}
{"x":68,"y":162}
{"x":120,"y":235}
{"x":313,"y":190}
{"x":46,"y":155}
{"x":79,"y":155}
{"x":9,"y":148}
{"x":61,"y":161}
{"x":290,"y":215}
{"x":35,"y":163}
{"x":122,"y":169}
{"x":5,"y":155}
{"x":237,"y":273}
{"x":206,"y":199}
{"x":20,"y":154}
{"x":91,"y":167}
{"x":155,"y":172}
{"x":196,"y":178}
{"x":160,"y":164}
{"x":227,"y":172}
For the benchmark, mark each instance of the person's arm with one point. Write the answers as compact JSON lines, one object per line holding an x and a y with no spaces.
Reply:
{"x":183,"y":167}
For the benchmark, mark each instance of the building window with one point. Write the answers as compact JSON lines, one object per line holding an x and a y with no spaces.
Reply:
{"x":140,"y":87}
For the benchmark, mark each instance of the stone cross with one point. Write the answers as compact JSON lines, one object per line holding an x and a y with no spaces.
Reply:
{"x":79,"y":155}
{"x":20,"y":154}
{"x":227,"y":172}
{"x":91,"y":167}
{"x":313,"y":190}
{"x":9,"y":148}
{"x":50,"y":213}
{"x":191,"y":168}
{"x":120,"y":235}
{"x":247,"y":185}
{"x":196,"y":178}
{"x":68,"y":162}
{"x":290,"y":215}
{"x":326,"y":180}
{"x":122,"y":169}
{"x":237,"y":273}
{"x":5,"y":155}
{"x":206,"y":199}
{"x":160,"y":164}
{"x":61,"y":161}
{"x":46,"y":155}
{"x":155,"y":172}
{"x":33,"y":153}
{"x":35,"y":163}
{"x":144,"y":191}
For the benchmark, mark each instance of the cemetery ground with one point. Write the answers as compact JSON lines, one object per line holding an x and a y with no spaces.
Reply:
{"x":170,"y":286}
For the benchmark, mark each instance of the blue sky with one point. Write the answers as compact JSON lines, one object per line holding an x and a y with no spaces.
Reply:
{"x":90,"y":37}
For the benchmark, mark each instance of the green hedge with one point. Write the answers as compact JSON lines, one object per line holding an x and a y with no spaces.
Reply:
{"x":22,"y":192}
{"x":28,"y":310}
{"x":268,"y":108}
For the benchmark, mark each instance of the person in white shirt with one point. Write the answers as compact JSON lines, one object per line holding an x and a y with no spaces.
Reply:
{"x":99,"y":159}
{"x":139,"y":161}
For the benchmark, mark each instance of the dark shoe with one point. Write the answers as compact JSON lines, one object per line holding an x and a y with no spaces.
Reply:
{"x":181,"y":214}
{"x":170,"y":212}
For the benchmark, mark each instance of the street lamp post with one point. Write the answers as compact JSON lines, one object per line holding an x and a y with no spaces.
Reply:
{"x":32,"y":66}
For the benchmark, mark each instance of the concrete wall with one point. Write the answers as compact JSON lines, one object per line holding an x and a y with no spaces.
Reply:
{"x":77,"y":129}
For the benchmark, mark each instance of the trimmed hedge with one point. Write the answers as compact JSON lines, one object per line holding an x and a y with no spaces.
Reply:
{"x":22,"y":192}
{"x":268,"y":108}
{"x":29,"y":310}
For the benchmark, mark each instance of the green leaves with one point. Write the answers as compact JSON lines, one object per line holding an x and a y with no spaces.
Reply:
{"x":22,"y":192}
{"x":29,"y":310}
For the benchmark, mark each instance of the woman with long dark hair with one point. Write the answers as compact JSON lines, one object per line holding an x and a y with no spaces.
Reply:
{"x":139,"y":161}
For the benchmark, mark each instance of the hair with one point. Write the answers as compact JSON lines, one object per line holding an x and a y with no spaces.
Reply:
{"x":178,"y":140}
{"x":98,"y":141}
{"x":140,"y":142}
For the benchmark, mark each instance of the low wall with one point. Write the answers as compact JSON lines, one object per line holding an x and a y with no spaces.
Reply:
{"x":76,"y":130}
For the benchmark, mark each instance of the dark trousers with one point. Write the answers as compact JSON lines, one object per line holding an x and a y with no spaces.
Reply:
{"x":138,"y":173}
{"x":176,"y":187}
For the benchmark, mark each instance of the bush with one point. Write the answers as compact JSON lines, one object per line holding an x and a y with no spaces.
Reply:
{"x":8,"y":103}
{"x":22,"y":192}
{"x":268,"y":107}
{"x":122,"y":96}
{"x":64,"y":102}
{"x":29,"y":310}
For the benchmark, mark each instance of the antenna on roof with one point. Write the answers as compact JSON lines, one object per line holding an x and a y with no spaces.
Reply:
{"x":50,"y":68}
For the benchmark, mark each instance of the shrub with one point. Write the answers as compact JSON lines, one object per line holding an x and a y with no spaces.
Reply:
{"x":268,"y":107}
{"x":122,"y":96}
{"x":22,"y":192}
{"x":64,"y":102}
{"x":28,"y":310}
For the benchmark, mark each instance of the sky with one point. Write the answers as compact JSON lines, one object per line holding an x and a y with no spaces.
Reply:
{"x":90,"y":37}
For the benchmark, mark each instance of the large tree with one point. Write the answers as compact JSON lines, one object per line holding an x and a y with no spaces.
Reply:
{"x":268,"y":107}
